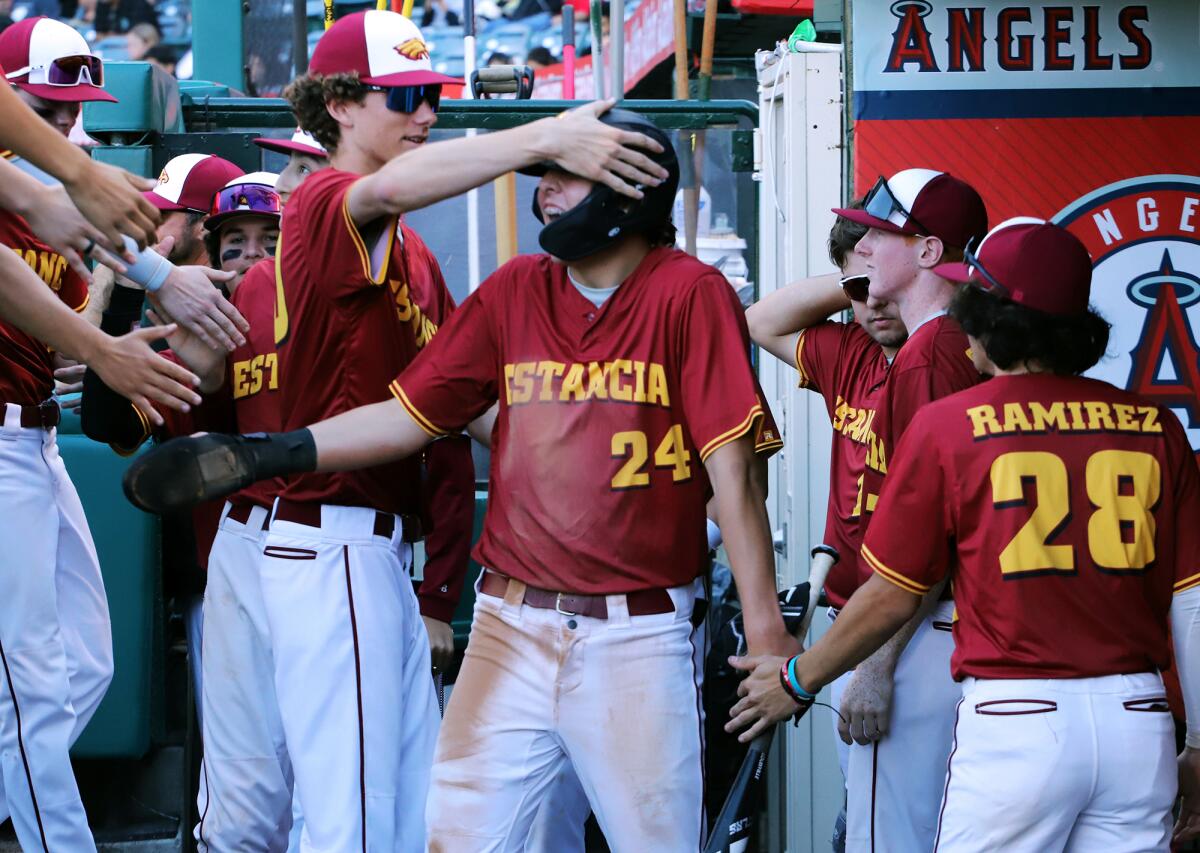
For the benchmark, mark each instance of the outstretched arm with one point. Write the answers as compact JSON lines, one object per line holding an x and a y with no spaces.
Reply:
{"x":776,"y":321}
{"x":576,"y":140}
{"x":366,"y":436}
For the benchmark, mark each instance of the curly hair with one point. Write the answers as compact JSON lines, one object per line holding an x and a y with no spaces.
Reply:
{"x":1012,"y":334}
{"x":844,"y":236}
{"x":308,"y":95}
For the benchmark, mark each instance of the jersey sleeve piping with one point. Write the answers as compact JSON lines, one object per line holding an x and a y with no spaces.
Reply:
{"x":122,"y":450}
{"x":364,"y":253}
{"x":768,"y":446}
{"x":415,"y":413}
{"x":87,"y":297}
{"x":1187,"y":583}
{"x":892,"y":576}
{"x":734,"y":434}
{"x":805,"y":379}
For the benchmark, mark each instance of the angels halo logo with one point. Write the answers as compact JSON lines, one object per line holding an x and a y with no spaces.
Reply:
{"x":1144,"y":238}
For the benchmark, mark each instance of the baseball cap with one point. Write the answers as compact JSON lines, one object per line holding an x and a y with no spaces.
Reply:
{"x":189,"y":182}
{"x":384,"y":48}
{"x":923,"y":202}
{"x":300,"y":143}
{"x":252,"y":194}
{"x":1032,"y":262}
{"x":51,"y":60}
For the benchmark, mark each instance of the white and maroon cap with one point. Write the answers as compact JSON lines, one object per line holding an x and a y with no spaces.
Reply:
{"x":189,"y":182}
{"x":300,"y":143}
{"x":384,"y":48}
{"x":926,"y":203}
{"x":1033,"y":263}
{"x":30,"y":47}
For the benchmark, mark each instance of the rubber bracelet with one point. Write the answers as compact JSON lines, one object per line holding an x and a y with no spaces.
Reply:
{"x":795,"y":682}
{"x":150,"y":270}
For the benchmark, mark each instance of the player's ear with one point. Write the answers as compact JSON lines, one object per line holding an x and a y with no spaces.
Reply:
{"x":932,"y":251}
{"x":341,"y":111}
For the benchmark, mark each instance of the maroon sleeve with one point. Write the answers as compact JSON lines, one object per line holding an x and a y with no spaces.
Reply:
{"x":350,"y":259}
{"x":908,"y":540}
{"x":720,"y":394}
{"x":818,"y":355}
{"x":455,"y":378}
{"x":449,"y":509}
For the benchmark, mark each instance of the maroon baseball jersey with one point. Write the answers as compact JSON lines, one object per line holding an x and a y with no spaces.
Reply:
{"x":253,"y":370}
{"x":346,"y":322}
{"x":1065,"y":511}
{"x":606,"y":417}
{"x":846,"y":367}
{"x":26,"y":364}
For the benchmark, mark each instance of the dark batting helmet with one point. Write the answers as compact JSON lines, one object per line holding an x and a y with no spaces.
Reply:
{"x":604,"y":216}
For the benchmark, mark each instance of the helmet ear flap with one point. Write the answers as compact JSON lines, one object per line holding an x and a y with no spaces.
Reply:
{"x":537,"y":208}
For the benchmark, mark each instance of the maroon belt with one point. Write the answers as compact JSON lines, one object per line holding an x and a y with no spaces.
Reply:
{"x":45,"y":415}
{"x":642,"y":602}
{"x":309,"y":514}
{"x":240,"y":512}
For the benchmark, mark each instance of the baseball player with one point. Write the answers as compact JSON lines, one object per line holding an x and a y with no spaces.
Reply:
{"x":305,"y":156}
{"x":602,"y":355}
{"x":349,"y":659}
{"x":243,"y":228}
{"x":916,"y":219}
{"x":846,"y":364}
{"x":1063,"y":510}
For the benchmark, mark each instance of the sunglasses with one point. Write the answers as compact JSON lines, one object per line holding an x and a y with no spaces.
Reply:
{"x":407,"y":99}
{"x":989,"y":283}
{"x":855,"y":287}
{"x":246,"y":198}
{"x":881,"y":203}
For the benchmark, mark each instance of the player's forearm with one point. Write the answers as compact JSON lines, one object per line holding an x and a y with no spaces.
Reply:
{"x":28,"y":304}
{"x":884,"y":660}
{"x":873,"y":614}
{"x":419,"y":178}
{"x":747,"y":539}
{"x":23,"y":132}
{"x":1185,"y":631}
{"x":775,"y":320}
{"x":369,"y":435}
{"x":20,"y":192}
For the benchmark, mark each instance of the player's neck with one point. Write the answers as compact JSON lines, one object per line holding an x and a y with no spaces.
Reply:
{"x":350,"y":157}
{"x":611,"y":266}
{"x":926,"y":296}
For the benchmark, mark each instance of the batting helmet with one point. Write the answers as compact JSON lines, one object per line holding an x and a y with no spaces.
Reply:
{"x":604,"y":215}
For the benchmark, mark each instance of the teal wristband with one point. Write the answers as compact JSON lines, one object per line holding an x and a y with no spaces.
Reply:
{"x":795,"y":682}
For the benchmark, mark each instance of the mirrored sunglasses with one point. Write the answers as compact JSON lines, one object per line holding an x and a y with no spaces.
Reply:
{"x":75,"y":71}
{"x":855,"y":287}
{"x":246,"y":198}
{"x":881,"y":203}
{"x":989,"y":284}
{"x":407,"y":99}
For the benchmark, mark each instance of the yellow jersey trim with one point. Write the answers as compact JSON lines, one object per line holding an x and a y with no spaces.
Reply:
{"x":1187,"y":583}
{"x":905,"y":583}
{"x":734,"y":434}
{"x":422,"y":421}
{"x":768,"y":445}
{"x":805,"y":381}
{"x":364,"y":254}
{"x":121,"y":450}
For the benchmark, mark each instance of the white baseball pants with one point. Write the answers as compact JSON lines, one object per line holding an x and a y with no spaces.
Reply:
{"x":55,"y":639}
{"x":894,"y":785}
{"x":326,"y":620}
{"x":1078,"y":764}
{"x":618,"y":698}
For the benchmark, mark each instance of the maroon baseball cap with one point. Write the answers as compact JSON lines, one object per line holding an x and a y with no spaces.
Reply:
{"x":1032,"y":262}
{"x":924,"y":203}
{"x":300,"y":143}
{"x":189,"y":182}
{"x":51,"y":60}
{"x":384,"y":48}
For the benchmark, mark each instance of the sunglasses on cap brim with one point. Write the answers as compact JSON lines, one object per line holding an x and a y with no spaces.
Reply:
{"x":68,"y":71}
{"x":985,"y":281}
{"x":855,"y":287}
{"x":408,"y":99}
{"x":246,"y":199}
{"x":881,"y":203}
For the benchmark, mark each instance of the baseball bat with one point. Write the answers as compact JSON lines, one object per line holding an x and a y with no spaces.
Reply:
{"x":595,"y":18}
{"x":735,"y":822}
{"x":328,"y":14}
{"x":568,"y":23}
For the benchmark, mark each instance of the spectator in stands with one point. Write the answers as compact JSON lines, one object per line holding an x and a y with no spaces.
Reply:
{"x":6,"y":20}
{"x":163,"y":57}
{"x":116,"y":17}
{"x":140,"y":40}
{"x":499,"y":58}
{"x":540,"y":57}
{"x":451,"y":12}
